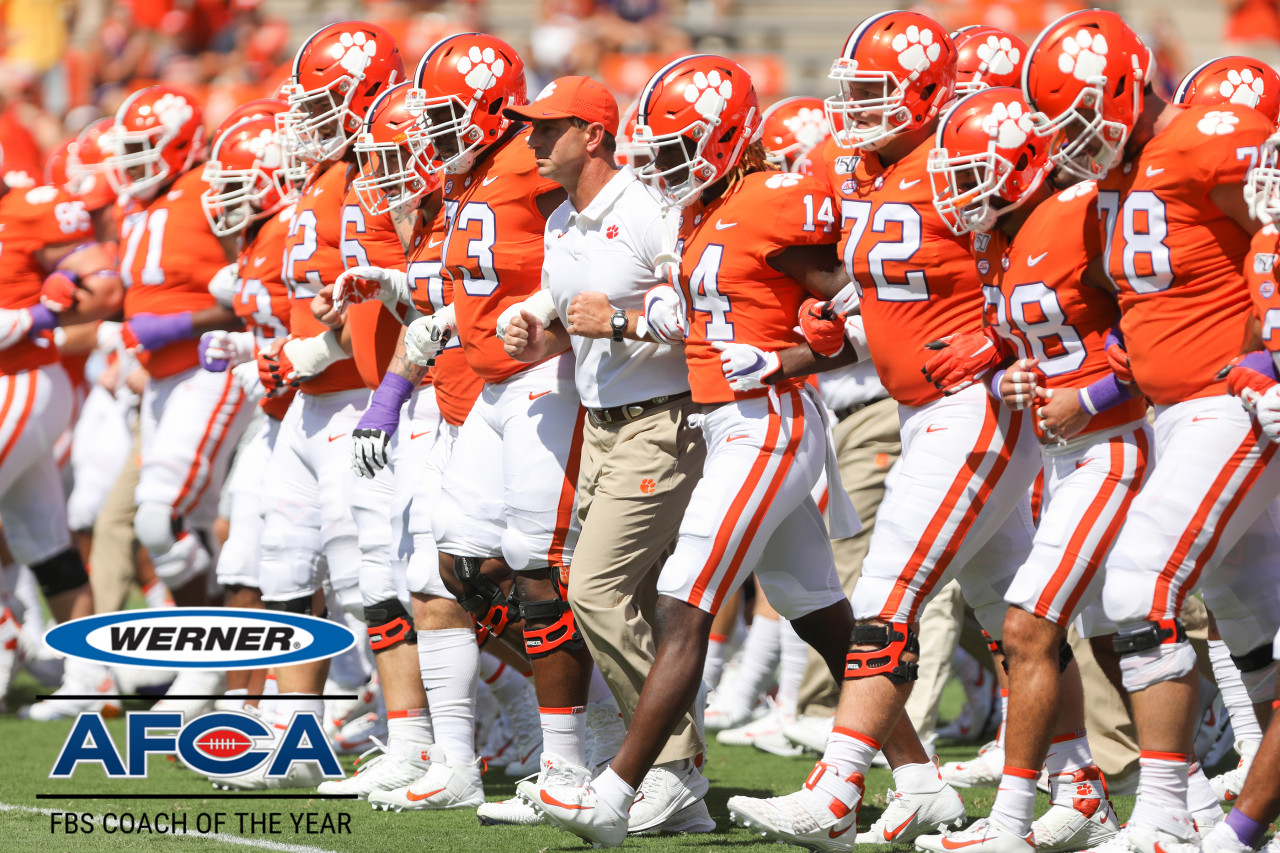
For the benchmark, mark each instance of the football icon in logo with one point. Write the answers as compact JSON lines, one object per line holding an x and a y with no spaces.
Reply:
{"x":224,"y":743}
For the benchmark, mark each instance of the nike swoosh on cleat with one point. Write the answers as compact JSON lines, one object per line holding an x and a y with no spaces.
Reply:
{"x":418,"y":797}
{"x":890,"y":835}
{"x":552,"y":801}
{"x":956,"y":845}
{"x":833,"y":834}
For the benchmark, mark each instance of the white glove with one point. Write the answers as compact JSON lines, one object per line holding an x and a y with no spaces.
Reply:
{"x":362,"y":283}
{"x":664,"y":315}
{"x":231,"y":347}
{"x":109,"y":335}
{"x":14,"y":325}
{"x":225,"y":284}
{"x":246,"y":375}
{"x":310,"y":356}
{"x":426,"y":336}
{"x":540,"y":305}
{"x":846,"y":300}
{"x":746,"y":366}
{"x":1268,"y":412}
{"x":856,"y":334}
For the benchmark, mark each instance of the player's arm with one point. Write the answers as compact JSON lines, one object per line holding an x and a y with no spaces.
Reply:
{"x":1230,"y":200}
{"x":83,"y":284}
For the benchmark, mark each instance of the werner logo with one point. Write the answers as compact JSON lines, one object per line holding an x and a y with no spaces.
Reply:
{"x":198,"y":638}
{"x":224,"y":743}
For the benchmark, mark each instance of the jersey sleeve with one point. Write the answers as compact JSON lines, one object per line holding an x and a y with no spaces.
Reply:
{"x":801,"y":213}
{"x":52,"y":217}
{"x":1221,"y":144}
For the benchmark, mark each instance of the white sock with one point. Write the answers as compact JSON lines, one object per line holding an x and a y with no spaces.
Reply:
{"x":1004,"y":715}
{"x":795,"y":656}
{"x":409,"y":734}
{"x":850,"y":752}
{"x":290,"y":704}
{"x":506,"y":684}
{"x":1244,"y":722}
{"x":1162,"y":791}
{"x":564,"y":732}
{"x":1015,"y":804}
{"x":156,"y":594}
{"x":1068,"y":753}
{"x":714,"y":665}
{"x":1200,"y":796}
{"x":760,"y":655}
{"x":918,"y":778}
{"x":450,"y":664}
{"x":610,"y":788}
{"x":237,"y":692}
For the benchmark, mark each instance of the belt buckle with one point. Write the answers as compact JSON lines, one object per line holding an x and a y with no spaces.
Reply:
{"x":601,"y":416}
{"x":633,"y":411}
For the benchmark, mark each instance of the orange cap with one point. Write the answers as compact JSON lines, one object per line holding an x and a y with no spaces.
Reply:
{"x":572,"y":97}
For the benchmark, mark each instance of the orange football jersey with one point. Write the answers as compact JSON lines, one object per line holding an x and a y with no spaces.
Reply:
{"x":375,"y":331}
{"x":729,"y":289}
{"x":262,"y":300}
{"x":493,"y":248}
{"x":1036,"y":298}
{"x":1260,"y":274}
{"x":1175,"y":257}
{"x":312,"y":259}
{"x":31,"y":220}
{"x":168,"y":257}
{"x":916,"y":278}
{"x":457,"y":385}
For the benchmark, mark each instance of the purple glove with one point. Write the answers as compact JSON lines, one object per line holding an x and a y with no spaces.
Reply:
{"x":154,"y":331}
{"x":213,"y":365}
{"x":372,"y":435}
{"x":42,"y":319}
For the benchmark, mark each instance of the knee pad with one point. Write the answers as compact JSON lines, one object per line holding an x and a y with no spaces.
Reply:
{"x":482,"y":596}
{"x":1153,"y":652}
{"x":561,"y":632}
{"x":300,"y":605}
{"x":156,"y":527}
{"x":1258,"y":672}
{"x":891,"y":642}
{"x":62,"y":572}
{"x":389,"y":624}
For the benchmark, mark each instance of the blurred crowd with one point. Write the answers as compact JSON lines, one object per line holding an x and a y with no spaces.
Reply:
{"x":67,"y":62}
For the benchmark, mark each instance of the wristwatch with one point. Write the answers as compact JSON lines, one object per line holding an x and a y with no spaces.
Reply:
{"x":618,"y":322}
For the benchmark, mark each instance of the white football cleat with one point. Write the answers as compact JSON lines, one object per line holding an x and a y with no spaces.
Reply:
{"x":382,"y":772}
{"x":515,"y":811}
{"x":361,"y":734}
{"x":982,"y":836}
{"x":443,"y":786}
{"x":1148,"y":839}
{"x":63,"y":709}
{"x":820,"y":816}
{"x":719,"y":717}
{"x":809,"y":732}
{"x":770,"y":723}
{"x":1227,"y":785}
{"x":339,"y":712}
{"x":10,"y":658}
{"x":690,"y":820}
{"x":664,"y":791}
{"x":584,"y":813}
{"x":982,"y":771}
{"x":1075,"y":822}
{"x":908,"y":815}
{"x":553,"y":771}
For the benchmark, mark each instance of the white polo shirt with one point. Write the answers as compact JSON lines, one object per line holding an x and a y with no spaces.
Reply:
{"x":610,"y":247}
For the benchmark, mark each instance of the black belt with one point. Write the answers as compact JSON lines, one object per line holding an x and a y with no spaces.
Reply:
{"x":841,"y":414}
{"x":631,"y":411}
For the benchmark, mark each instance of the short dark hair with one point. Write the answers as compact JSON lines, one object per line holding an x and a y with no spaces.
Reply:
{"x":610,"y":143}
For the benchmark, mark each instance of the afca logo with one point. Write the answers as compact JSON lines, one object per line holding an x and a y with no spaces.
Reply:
{"x":200,"y":638}
{"x":224,"y":743}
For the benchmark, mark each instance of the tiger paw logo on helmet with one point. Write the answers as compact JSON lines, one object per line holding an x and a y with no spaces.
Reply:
{"x":1009,"y":124}
{"x":999,"y":55}
{"x":1242,"y":87}
{"x":1217,"y":123}
{"x":708,"y":92}
{"x":173,"y":110}
{"x":481,"y":69}
{"x":783,"y":179}
{"x":916,"y":48}
{"x":264,"y":148}
{"x":808,"y":125}
{"x":356,"y":50}
{"x":1084,"y":55}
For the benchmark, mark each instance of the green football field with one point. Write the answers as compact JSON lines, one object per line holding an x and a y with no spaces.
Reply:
{"x":28,"y":751}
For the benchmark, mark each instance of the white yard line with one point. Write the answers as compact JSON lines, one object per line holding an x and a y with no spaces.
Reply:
{"x":279,"y":846}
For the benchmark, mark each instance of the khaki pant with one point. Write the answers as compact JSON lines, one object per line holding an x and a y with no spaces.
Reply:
{"x":634,"y":483}
{"x":111,"y":560}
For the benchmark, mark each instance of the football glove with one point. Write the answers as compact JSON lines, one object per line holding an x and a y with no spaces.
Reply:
{"x":961,"y":359}
{"x":426,"y":336}
{"x":664,"y":314}
{"x":1267,"y":407}
{"x":1250,"y":372}
{"x":746,"y":367}
{"x":822,"y":328}
{"x":363,"y":283}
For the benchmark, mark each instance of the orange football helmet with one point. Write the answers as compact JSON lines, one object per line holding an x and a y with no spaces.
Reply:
{"x":461,"y":87}
{"x":337,"y":74}
{"x":55,"y":165}
{"x":252,"y":109}
{"x":391,"y":171}
{"x":896,"y":71}
{"x":1232,"y":80}
{"x":625,"y":153}
{"x":244,"y":176}
{"x":696,"y":116}
{"x":1086,"y":73}
{"x":158,"y":134}
{"x":791,"y":128}
{"x":987,"y":158}
{"x":987,"y":56}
